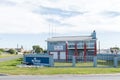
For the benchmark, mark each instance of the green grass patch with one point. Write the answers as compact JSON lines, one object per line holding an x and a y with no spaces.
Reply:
{"x":105,"y":63}
{"x":62,"y":64}
{"x":78,"y":64}
{"x":9,"y":67}
{"x":6,"y":55}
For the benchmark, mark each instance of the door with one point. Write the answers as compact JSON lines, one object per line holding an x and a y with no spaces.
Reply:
{"x":62,"y":55}
{"x":55,"y":55}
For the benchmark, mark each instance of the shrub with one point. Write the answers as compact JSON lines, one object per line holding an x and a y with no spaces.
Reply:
{"x":1,"y":50}
{"x":12,"y":51}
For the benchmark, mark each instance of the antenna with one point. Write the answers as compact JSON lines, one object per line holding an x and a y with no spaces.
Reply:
{"x":17,"y":46}
{"x":52,"y":30}
{"x":55,"y":32}
{"x":49,"y":30}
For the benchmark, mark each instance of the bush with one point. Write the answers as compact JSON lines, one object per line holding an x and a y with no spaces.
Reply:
{"x":12,"y":51}
{"x":45,"y":51}
{"x":1,"y":50}
{"x":37,"y":49}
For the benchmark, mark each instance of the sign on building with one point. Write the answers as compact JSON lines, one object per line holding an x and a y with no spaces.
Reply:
{"x":58,"y":48}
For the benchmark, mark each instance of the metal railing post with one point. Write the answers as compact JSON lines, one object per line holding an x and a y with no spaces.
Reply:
{"x":95,"y":61}
{"x":115,"y":61}
{"x":73,"y":61}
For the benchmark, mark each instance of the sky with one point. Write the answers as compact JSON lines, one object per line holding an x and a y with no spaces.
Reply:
{"x":31,"y":22}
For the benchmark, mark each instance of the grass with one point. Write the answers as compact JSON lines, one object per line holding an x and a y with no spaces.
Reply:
{"x":78,"y":64}
{"x":6,"y":55}
{"x":9,"y":67}
{"x":105,"y":63}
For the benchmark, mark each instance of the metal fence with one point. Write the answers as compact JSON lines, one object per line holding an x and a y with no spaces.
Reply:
{"x":82,"y":61}
{"x":118,"y":61}
{"x":84,"y":58}
{"x":63,"y":62}
{"x":105,"y":60}
{"x":101,"y":60}
{"x":79,"y":61}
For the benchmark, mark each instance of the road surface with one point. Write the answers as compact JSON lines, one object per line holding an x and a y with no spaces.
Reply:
{"x":61,"y":77}
{"x":10,"y":58}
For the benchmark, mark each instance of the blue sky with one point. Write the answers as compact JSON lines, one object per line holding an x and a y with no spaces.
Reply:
{"x":28,"y":22}
{"x":25,"y":40}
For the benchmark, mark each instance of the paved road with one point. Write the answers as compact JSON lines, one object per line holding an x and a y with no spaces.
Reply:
{"x":62,"y":77}
{"x":10,"y":58}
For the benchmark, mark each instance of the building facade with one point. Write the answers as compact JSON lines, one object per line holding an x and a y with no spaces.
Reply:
{"x":67,"y":46}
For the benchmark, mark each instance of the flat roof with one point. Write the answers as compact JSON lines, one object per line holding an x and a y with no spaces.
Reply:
{"x":70,"y":38}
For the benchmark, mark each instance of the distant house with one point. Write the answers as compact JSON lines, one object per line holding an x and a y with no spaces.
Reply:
{"x":20,"y":50}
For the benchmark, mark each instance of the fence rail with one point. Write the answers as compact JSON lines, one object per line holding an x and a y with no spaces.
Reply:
{"x":101,"y":60}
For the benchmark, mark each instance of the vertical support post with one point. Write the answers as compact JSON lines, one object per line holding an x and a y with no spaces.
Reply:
{"x":95,"y":48}
{"x":73,"y":61}
{"x":51,"y":60}
{"x":66,"y":51}
{"x":24,"y":58}
{"x":49,"y":52}
{"x":76,"y":52}
{"x":84,"y":51}
{"x":115,"y":61}
{"x":95,"y":61}
{"x":58,"y":55}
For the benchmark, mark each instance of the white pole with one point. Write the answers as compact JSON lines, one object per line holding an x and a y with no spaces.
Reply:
{"x":99,"y":47}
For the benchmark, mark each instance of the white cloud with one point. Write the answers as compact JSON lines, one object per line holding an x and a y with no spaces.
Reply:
{"x":20,"y":18}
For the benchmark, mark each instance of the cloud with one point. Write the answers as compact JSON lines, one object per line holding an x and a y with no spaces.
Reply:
{"x":57,"y":11}
{"x":55,"y":0}
{"x":58,"y":23}
{"x":7,"y":3}
{"x":28,"y":16}
{"x":67,"y":17}
{"x":21,"y":21}
{"x":111,"y":13}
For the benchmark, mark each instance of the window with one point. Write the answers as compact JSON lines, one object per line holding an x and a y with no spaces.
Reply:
{"x":71,"y":44}
{"x":80,"y":44}
{"x":90,"y":44}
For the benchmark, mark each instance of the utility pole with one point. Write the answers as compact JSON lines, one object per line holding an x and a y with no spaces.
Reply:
{"x":99,"y":46}
{"x":17,"y":46}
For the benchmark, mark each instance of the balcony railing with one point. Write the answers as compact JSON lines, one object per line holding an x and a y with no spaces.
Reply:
{"x":80,"y":46}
